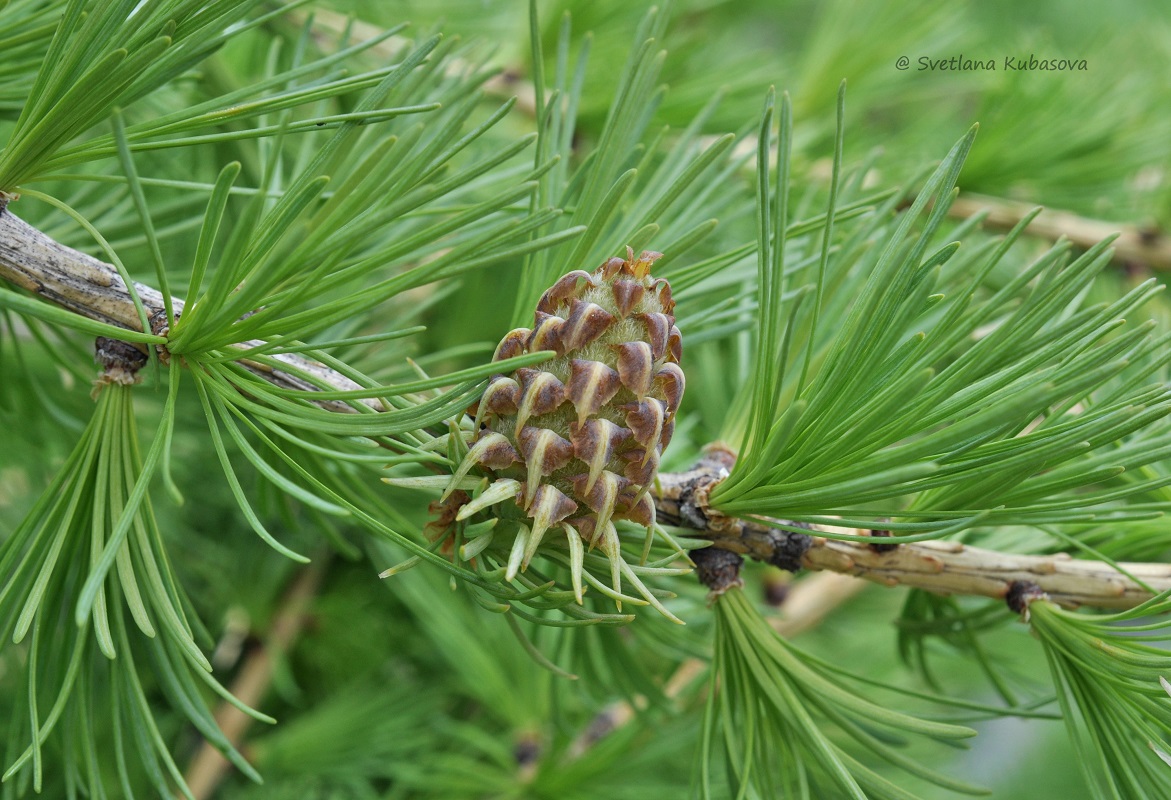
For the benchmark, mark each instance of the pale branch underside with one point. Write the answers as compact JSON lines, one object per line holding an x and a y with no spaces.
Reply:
{"x":94,"y":289}
{"x":89,"y":287}
{"x":1135,"y":244}
{"x":944,"y":567}
{"x":504,"y":85}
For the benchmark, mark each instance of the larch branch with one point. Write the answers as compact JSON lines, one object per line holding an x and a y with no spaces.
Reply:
{"x":92,"y":288}
{"x":944,"y":567}
{"x":1135,"y":244}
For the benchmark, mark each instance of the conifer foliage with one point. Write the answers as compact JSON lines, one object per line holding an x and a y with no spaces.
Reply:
{"x":289,"y":297}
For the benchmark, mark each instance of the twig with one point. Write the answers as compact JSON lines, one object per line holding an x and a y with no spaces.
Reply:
{"x":1134,"y":245}
{"x":811,"y":600}
{"x":71,"y":279}
{"x":505,"y":84}
{"x":94,"y":289}
{"x":208,"y":768}
{"x":944,"y":567}
{"x":954,"y":568}
{"x":804,"y":608}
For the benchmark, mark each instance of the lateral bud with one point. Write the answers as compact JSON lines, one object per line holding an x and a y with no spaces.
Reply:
{"x":717,"y":569}
{"x":1021,"y":594}
{"x":120,"y":362}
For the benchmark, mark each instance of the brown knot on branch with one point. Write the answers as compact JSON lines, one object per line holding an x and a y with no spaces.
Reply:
{"x":684,"y":500}
{"x":1021,"y":595}
{"x":120,"y":362}
{"x":718,"y":570}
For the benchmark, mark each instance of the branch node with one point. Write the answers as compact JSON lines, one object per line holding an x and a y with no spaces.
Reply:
{"x":1021,"y":594}
{"x":120,"y":362}
{"x":788,"y":548}
{"x":717,"y":569}
{"x":684,"y":499}
{"x":160,"y":327}
{"x":881,"y":547}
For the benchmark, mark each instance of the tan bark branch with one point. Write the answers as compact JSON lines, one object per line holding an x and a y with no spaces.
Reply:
{"x":208,"y":768}
{"x":954,"y":568}
{"x":944,"y":567}
{"x":71,"y":279}
{"x":94,"y":289}
{"x":503,"y":85}
{"x":812,"y":600}
{"x":87,"y":286}
{"x":1134,"y":245}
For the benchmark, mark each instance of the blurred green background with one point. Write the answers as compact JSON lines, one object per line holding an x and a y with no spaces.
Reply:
{"x":1096,"y":141}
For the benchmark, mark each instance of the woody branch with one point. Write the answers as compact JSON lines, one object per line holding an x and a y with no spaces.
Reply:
{"x":87,"y":286}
